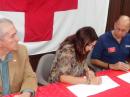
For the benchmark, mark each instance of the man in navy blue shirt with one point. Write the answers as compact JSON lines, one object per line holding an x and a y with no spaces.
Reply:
{"x":112,"y":49}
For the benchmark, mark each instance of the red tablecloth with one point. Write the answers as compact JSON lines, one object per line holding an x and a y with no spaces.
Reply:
{"x":60,"y":90}
{"x":120,"y":91}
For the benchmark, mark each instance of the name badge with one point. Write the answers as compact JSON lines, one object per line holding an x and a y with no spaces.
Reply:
{"x":111,"y":49}
{"x":127,"y":46}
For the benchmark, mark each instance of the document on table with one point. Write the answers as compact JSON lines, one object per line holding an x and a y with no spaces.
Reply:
{"x":83,"y":90}
{"x":125,"y":77}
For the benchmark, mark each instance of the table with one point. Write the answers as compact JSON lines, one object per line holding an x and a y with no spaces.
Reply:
{"x":60,"y":90}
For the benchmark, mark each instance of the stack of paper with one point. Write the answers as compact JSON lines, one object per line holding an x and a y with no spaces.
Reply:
{"x":83,"y":90}
{"x":125,"y":77}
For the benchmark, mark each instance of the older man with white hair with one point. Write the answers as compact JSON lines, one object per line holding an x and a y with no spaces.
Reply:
{"x":16,"y":74}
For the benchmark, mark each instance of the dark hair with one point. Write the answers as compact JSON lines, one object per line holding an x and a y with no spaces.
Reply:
{"x":84,"y":36}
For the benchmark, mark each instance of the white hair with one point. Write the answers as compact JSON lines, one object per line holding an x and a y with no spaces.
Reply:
{"x":4,"y":20}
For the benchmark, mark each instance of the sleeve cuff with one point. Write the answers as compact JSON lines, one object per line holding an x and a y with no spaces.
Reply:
{"x":29,"y":90}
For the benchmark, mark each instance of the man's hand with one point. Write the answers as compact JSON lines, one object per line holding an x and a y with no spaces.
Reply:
{"x":120,"y":66}
{"x":24,"y":94}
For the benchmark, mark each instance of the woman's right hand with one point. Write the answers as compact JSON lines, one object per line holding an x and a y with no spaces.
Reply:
{"x":92,"y":77}
{"x":95,"y":80}
{"x":90,"y":74}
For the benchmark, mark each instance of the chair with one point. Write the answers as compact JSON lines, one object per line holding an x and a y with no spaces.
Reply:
{"x":91,"y":66}
{"x":43,"y":68}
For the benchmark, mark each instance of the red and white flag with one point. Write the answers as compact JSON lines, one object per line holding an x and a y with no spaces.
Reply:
{"x":43,"y":24}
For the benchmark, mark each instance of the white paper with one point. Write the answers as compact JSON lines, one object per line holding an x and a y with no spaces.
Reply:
{"x":125,"y":77}
{"x":83,"y":90}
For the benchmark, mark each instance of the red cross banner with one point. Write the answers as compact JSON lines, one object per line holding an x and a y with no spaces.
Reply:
{"x":43,"y":24}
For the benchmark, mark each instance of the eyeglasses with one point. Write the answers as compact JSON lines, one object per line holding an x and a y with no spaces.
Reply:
{"x":122,"y":30}
{"x":91,"y":45}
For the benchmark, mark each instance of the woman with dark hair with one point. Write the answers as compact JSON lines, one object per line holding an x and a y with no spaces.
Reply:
{"x":70,"y":65}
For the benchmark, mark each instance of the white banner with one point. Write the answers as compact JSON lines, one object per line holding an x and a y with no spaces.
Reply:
{"x":89,"y":13}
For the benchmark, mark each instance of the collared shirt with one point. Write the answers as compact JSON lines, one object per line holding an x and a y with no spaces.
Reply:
{"x":4,"y":74}
{"x":109,"y":50}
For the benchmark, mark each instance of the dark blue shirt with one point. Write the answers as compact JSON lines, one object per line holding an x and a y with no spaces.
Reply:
{"x":109,"y":50}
